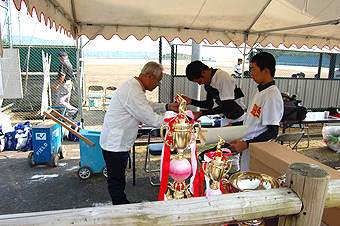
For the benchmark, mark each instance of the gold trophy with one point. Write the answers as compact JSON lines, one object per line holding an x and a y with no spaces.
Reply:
{"x":217,"y":169}
{"x":180,"y":131}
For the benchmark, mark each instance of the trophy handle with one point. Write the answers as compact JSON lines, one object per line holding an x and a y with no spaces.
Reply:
{"x":196,"y":135}
{"x":204,"y":165}
{"x":229,"y":167}
{"x":162,"y":135}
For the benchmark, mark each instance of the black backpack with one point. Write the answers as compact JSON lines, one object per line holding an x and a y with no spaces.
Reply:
{"x":292,"y":110}
{"x":289,"y":111}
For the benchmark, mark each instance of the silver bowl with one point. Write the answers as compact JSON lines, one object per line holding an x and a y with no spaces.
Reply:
{"x":246,"y":181}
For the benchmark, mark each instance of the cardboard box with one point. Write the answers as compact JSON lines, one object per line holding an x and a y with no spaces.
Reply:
{"x":272,"y":159}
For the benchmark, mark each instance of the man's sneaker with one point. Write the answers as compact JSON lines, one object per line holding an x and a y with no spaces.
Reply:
{"x":75,"y":115}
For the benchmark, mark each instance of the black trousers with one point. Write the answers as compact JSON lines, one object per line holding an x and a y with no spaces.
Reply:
{"x":116,"y":163}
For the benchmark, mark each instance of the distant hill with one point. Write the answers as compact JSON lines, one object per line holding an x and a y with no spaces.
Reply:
{"x":120,"y":54}
{"x":29,"y":40}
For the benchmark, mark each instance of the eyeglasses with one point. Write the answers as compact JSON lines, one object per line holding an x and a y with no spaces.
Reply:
{"x":159,"y":81}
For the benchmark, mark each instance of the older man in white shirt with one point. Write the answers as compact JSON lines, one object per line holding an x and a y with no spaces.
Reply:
{"x":128,"y":107}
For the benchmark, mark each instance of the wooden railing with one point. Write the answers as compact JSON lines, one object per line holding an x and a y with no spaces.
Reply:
{"x":301,"y":203}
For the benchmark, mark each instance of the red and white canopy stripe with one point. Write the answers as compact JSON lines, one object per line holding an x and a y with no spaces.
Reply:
{"x":300,"y":22}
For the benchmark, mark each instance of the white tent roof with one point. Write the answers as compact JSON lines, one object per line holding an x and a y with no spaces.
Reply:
{"x":309,"y":22}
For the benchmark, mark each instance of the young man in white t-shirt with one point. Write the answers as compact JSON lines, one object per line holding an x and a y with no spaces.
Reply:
{"x":265,"y":108}
{"x":224,"y":97}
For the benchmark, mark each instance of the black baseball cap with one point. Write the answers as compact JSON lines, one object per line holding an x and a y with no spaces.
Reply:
{"x":62,"y":54}
{"x":239,"y":59}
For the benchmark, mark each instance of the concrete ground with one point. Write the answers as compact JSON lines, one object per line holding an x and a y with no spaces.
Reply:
{"x":44,"y":187}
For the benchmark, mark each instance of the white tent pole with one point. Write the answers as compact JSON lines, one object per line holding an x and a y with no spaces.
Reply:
{"x":80,"y":107}
{"x":194,"y":88}
{"x":1,"y":48}
{"x":9,"y":24}
{"x":244,"y":58}
{"x":330,"y":22}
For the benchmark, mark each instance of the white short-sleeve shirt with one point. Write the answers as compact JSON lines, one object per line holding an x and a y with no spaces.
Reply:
{"x":225,"y":84}
{"x":238,"y":68}
{"x":265,"y":108}
{"x":337,"y":74}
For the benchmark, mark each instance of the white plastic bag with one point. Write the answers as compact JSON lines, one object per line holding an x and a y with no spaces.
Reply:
{"x":5,"y":123}
{"x":2,"y":142}
{"x":331,"y":136}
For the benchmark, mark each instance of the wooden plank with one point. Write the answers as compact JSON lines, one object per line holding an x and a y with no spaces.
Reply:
{"x":212,"y":210}
{"x":54,"y":112}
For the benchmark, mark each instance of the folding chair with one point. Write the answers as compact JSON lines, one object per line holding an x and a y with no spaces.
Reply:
{"x":291,"y":137}
{"x":108,"y":95}
{"x":154,"y":148}
{"x":303,"y":127}
{"x":95,"y":93}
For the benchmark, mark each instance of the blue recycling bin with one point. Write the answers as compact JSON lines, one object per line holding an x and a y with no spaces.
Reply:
{"x":46,"y":137}
{"x":91,"y":157}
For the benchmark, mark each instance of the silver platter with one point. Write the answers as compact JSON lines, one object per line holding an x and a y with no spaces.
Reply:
{"x":245,"y":181}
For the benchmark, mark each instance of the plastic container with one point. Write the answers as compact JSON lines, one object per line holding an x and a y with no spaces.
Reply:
{"x":91,"y":157}
{"x":46,"y":144}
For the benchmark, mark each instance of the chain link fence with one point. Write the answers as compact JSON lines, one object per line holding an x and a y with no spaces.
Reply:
{"x":106,"y":70}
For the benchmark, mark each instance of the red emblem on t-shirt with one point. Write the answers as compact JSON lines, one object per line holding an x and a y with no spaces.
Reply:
{"x":256,"y":112}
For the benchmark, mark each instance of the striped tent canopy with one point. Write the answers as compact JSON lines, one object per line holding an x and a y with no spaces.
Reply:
{"x":299,"y":22}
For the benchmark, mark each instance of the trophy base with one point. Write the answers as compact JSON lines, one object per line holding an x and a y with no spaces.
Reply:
{"x":252,"y":222}
{"x":178,"y":190}
{"x":213,"y":192}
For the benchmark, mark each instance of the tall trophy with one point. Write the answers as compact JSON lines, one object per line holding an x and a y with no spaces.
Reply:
{"x":216,"y":169}
{"x":181,"y":134}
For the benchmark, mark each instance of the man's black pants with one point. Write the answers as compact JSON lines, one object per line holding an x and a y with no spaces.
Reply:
{"x":116,"y":163}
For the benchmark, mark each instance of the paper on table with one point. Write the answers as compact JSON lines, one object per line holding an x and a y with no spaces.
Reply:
{"x":231,"y":133}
